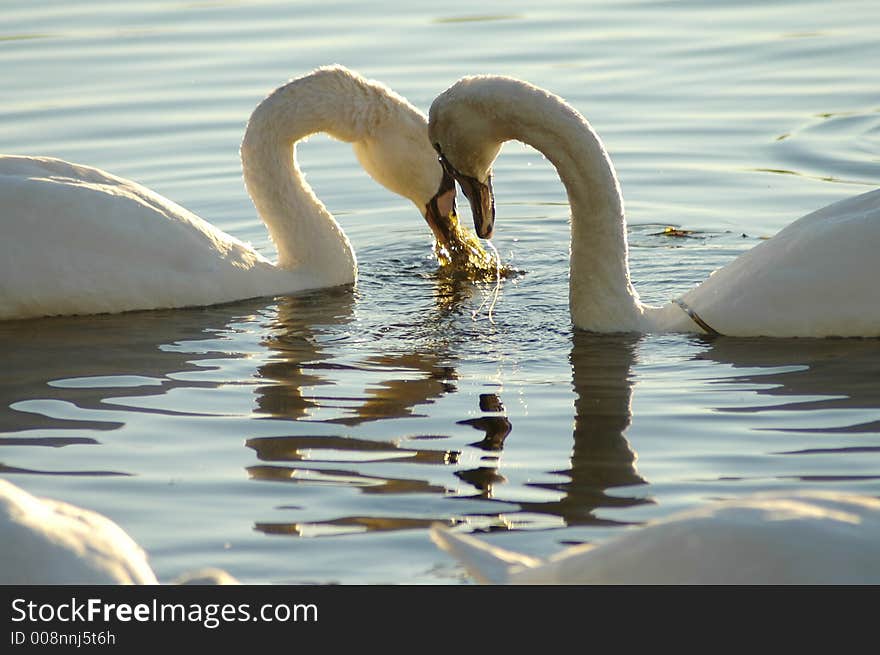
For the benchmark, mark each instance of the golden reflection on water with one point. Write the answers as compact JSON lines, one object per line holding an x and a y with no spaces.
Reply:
{"x":298,"y":355}
{"x":601,"y":458}
{"x":424,"y":377}
{"x":306,"y":356}
{"x":346,"y":525}
{"x":301,"y":361}
{"x":409,"y":380}
{"x":368,"y":484}
{"x":340,"y":449}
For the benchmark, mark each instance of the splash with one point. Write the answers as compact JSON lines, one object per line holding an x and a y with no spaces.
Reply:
{"x":497,"y":290}
{"x":463,"y":255}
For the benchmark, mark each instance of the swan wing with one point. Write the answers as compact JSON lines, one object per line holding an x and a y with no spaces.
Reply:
{"x":817,"y":277}
{"x":795,"y":538}
{"x":50,"y":542}
{"x":79,"y":240}
{"x":804,"y":537}
{"x":486,"y":563}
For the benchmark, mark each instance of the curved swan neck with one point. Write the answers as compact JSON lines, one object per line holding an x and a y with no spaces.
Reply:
{"x":304,"y":232}
{"x":601,"y":296}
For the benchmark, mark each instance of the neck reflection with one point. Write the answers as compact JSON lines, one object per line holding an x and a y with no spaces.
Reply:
{"x":319,"y":340}
{"x":601,"y":457}
{"x":392,"y":371}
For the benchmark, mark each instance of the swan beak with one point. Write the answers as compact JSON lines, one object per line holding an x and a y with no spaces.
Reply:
{"x":482,"y":202}
{"x":440,"y":212}
{"x":479,"y":195}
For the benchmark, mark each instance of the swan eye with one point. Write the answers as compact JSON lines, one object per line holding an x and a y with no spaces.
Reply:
{"x":447,"y":167}
{"x":437,"y":148}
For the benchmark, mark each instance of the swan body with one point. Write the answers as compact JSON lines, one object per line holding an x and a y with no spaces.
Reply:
{"x":78,"y":240}
{"x":49,"y":542}
{"x":815,"y":278}
{"x":795,"y":538}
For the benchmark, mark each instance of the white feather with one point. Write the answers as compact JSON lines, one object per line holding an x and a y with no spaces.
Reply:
{"x":793,"y":538}
{"x":49,"y":542}
{"x":816,"y":278}
{"x":78,"y":240}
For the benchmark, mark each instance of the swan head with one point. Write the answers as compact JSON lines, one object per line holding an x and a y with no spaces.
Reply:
{"x":467,"y":141}
{"x":399,"y":157}
{"x":389,"y":137}
{"x":395,"y":151}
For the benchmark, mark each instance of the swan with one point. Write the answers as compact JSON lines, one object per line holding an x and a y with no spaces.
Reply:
{"x":818,"y":277}
{"x":47,"y":541}
{"x":78,"y":240}
{"x":806,"y":537}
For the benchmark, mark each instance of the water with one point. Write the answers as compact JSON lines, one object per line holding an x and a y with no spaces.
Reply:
{"x":313,"y":438}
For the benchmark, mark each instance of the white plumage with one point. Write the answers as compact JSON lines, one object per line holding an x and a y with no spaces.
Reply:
{"x":783,"y":538}
{"x":818,"y":277}
{"x":78,"y":240}
{"x":49,"y":542}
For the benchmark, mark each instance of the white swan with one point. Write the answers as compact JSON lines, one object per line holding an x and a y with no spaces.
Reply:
{"x":78,"y":240}
{"x":818,"y":277}
{"x":46,"y":541}
{"x":795,"y":538}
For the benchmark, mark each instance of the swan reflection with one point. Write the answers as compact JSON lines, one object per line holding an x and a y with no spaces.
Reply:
{"x":342,"y":412}
{"x":306,"y":355}
{"x":496,"y":428}
{"x":300,"y":358}
{"x":398,"y":383}
{"x":601,"y":457}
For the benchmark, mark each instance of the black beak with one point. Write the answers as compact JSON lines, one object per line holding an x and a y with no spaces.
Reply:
{"x":440,"y":211}
{"x":479,"y":195}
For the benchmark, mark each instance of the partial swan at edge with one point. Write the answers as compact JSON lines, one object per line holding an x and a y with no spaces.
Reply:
{"x":78,"y":240}
{"x":49,"y":542}
{"x":808,"y":537}
{"x":817,"y":277}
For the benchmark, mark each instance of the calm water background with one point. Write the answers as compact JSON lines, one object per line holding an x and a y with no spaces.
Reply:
{"x":313,"y":438}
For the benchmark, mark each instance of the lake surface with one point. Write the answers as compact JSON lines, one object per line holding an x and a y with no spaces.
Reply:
{"x":313,"y":438}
